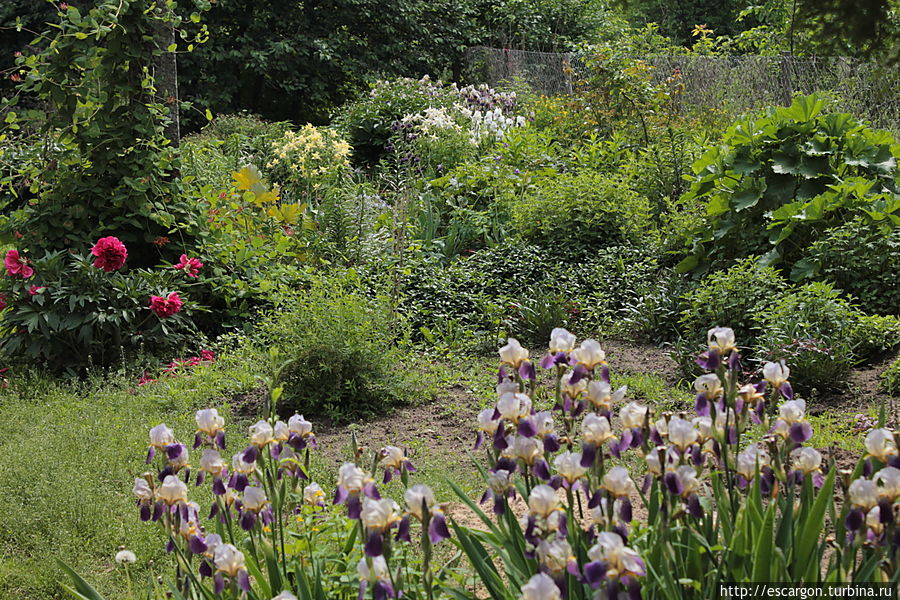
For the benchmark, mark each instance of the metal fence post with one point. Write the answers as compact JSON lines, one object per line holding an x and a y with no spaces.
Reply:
{"x":786,"y":87}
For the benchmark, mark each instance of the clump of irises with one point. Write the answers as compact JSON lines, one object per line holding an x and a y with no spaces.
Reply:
{"x":262,"y":493}
{"x":745,"y":439}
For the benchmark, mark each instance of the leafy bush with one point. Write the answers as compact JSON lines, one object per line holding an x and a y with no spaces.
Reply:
{"x":70,"y":314}
{"x":813,"y":329}
{"x":861,"y":260}
{"x":872,"y":335}
{"x":582,"y":212}
{"x":227,"y":144}
{"x":890,"y":378}
{"x":518,"y":289}
{"x":779,"y":181}
{"x":341,"y":350}
{"x":737,"y":297}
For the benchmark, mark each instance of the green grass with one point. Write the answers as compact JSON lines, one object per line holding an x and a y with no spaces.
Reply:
{"x":70,"y":455}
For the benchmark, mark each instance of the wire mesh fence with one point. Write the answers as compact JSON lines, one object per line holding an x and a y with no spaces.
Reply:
{"x":735,"y":84}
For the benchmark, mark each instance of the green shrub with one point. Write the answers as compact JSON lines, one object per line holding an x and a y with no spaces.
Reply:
{"x":779,"y":181}
{"x":735,"y":298}
{"x":861,"y":260}
{"x":582,"y":212}
{"x":890,"y":378}
{"x":813,"y":329}
{"x":227,"y":144}
{"x":342,"y":351}
{"x":872,"y":335}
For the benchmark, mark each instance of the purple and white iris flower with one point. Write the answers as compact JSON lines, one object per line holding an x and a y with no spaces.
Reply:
{"x":721,"y":347}
{"x":776,"y":375}
{"x":373,"y":571}
{"x":352,"y":485}
{"x":546,"y":517}
{"x":806,"y":461}
{"x":378,"y":518}
{"x":709,"y":390}
{"x":487,"y":426}
{"x":210,"y":429}
{"x":561,"y":343}
{"x":160,"y":437}
{"x":569,"y":468}
{"x":145,"y":496}
{"x":300,"y":433}
{"x":602,"y":397}
{"x":211,"y":463}
{"x":863,"y":495}
{"x":613,"y":562}
{"x":619,"y":485}
{"x":289,"y":464}
{"x":394,"y":462}
{"x":682,"y":481}
{"x":634,"y":419}
{"x":514,"y":355}
{"x":500,"y":489}
{"x":541,"y":587}
{"x":595,"y":431}
{"x":882,"y":445}
{"x":421,"y":505}
{"x":254,"y":506}
{"x":313,"y":495}
{"x":792,"y":423}
{"x":240,"y":472}
{"x":230,"y":569}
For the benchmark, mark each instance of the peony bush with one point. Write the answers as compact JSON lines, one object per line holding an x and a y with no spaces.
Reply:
{"x":588,"y":495}
{"x":71,"y":310}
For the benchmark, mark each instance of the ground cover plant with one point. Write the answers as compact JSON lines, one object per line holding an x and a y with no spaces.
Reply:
{"x":260,"y":360}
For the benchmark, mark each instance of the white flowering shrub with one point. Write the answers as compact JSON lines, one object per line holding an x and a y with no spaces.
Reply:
{"x":732,"y":492}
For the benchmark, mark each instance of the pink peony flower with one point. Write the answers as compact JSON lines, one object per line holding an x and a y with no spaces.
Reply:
{"x":191,"y":266}
{"x":35,"y":290}
{"x":111,"y":254}
{"x":16,"y":264}
{"x":146,"y":378}
{"x":208,"y":356}
{"x":3,"y":303}
{"x":165,"y":307}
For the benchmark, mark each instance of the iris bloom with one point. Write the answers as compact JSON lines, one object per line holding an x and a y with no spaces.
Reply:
{"x":313,"y":495}
{"x":863,"y":499}
{"x":240,"y":472}
{"x":602,"y":397}
{"x":513,"y":407}
{"x":500,"y":488}
{"x":682,"y":481}
{"x":211,"y":463}
{"x":633,"y":417}
{"x":300,"y":433}
{"x":255,"y":505}
{"x":421,"y":505}
{"x":230,"y":567}
{"x":888,"y":482}
{"x":261,"y":435}
{"x":394,"y":462}
{"x":378,"y":517}
{"x":211,"y":427}
{"x":573,"y":385}
{"x":595,"y":431}
{"x":531,"y":452}
{"x":373,"y":571}
{"x":514,"y":355}
{"x":487,"y":425}
{"x":589,"y":355}
{"x":682,"y":433}
{"x":352,"y":484}
{"x":557,"y":558}
{"x":720,"y":341}
{"x":561,"y":343}
{"x":617,"y":482}
{"x":569,"y":467}
{"x":776,"y":375}
{"x":545,"y":515}
{"x":160,"y":437}
{"x":748,"y":461}
{"x":709,"y":389}
{"x":145,"y":495}
{"x":880,"y":444}
{"x":792,"y":423}
{"x":546,"y":430}
{"x":289,"y":464}
{"x":541,"y":587}
{"x":807,"y":461}
{"x":611,"y":560}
